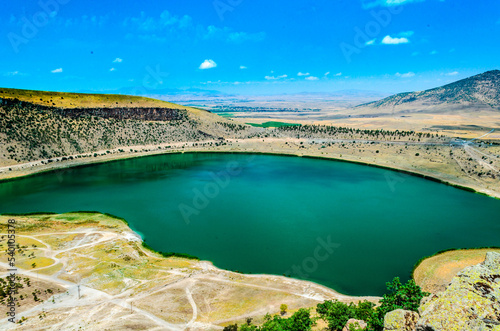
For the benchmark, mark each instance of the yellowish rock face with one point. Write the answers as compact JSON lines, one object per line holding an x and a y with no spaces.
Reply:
{"x":400,"y":320}
{"x":471,"y":302}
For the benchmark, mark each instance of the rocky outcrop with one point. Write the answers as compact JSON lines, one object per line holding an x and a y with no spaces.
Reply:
{"x":121,"y":113}
{"x":144,"y":114}
{"x":400,"y":320}
{"x":354,"y":324}
{"x":471,"y":301}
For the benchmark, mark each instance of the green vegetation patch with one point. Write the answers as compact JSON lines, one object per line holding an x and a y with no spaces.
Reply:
{"x":336,"y":314}
{"x":272,"y":124}
{"x":170,"y":254}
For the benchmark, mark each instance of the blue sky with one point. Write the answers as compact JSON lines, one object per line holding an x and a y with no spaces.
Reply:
{"x":246,"y":46}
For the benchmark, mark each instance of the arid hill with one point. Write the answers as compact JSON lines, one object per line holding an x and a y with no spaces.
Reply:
{"x":37,"y":125}
{"x":477,"y":92}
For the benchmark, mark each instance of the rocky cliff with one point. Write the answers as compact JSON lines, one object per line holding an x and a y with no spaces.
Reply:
{"x":470,"y":302}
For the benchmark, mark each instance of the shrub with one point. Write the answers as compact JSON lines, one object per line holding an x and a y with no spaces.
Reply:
{"x":283,"y":309}
{"x":336,"y":313}
{"x":300,"y":321}
{"x":407,"y":297}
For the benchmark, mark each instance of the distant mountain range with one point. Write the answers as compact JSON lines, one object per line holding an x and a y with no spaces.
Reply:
{"x":196,"y":94}
{"x":144,"y":92}
{"x":480,"y":92}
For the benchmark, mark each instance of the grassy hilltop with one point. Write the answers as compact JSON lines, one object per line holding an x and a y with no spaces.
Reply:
{"x":36,"y":125}
{"x":83,"y":100}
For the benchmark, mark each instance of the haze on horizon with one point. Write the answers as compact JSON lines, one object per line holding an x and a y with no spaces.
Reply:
{"x":246,"y":47}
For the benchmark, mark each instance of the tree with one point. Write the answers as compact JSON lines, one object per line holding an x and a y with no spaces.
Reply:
{"x":335,"y":313}
{"x":283,"y":309}
{"x":248,"y":327}
{"x":407,"y":297}
{"x":301,"y":320}
{"x":275,"y":323}
{"x":364,"y":311}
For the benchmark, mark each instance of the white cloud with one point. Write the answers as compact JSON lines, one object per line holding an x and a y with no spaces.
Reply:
{"x":275,"y":77}
{"x":56,"y":71}
{"x":112,"y":69}
{"x":303,"y":74}
{"x":400,"y":38}
{"x":407,"y":75}
{"x":385,"y":3}
{"x":243,"y":67}
{"x":433,"y":52}
{"x":454,"y":73}
{"x":338,"y":74}
{"x":327,"y":73}
{"x":388,"y":40}
{"x":117,"y":60}
{"x":312,"y":78}
{"x":208,"y":64}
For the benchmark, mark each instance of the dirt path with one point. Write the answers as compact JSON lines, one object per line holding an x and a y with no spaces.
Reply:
{"x":472,"y":153}
{"x":195,"y":308}
{"x":80,"y":295}
{"x":93,"y":300}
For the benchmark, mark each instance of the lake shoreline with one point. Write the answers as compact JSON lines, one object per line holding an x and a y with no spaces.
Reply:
{"x":118,"y":157}
{"x":330,"y":293}
{"x":37,"y":168}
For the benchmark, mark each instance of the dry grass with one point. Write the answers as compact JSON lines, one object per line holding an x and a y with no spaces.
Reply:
{"x":451,"y":124}
{"x":101,"y":253}
{"x":436,"y":272}
{"x":84,"y":100}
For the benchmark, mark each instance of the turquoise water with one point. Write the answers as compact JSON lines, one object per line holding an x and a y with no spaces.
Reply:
{"x":347,"y":226}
